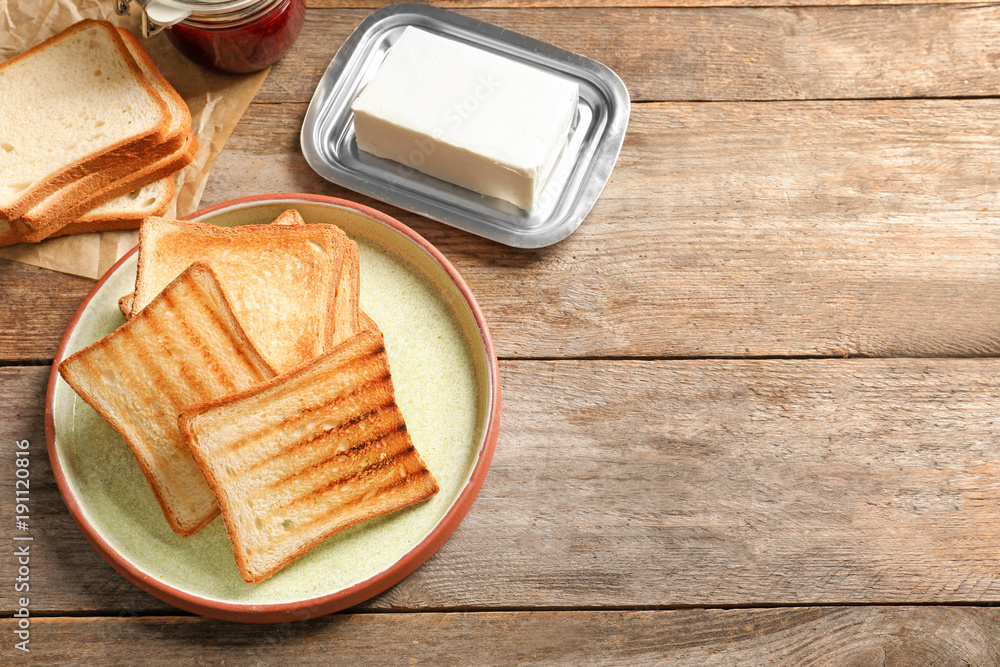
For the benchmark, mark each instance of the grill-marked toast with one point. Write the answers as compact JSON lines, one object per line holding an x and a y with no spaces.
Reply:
{"x":306,"y":454}
{"x":185,"y":347}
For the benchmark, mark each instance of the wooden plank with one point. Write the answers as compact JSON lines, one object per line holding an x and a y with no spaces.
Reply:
{"x":463,"y":5}
{"x":827,"y":635}
{"x":797,"y":228}
{"x":37,"y":305}
{"x":728,"y":54}
{"x":640,"y":484}
{"x":811,"y":228}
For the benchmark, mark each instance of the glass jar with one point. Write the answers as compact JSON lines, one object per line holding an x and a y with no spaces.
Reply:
{"x":235,"y":36}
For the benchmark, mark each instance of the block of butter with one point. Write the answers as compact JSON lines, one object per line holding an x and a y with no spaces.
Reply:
{"x":466,"y":116}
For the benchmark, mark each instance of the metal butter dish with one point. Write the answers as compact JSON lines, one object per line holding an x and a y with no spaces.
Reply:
{"x":330,"y":148}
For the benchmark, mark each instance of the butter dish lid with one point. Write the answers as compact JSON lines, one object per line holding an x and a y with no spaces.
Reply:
{"x":330,"y":147}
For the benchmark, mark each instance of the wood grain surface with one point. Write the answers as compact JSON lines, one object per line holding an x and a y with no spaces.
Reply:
{"x":672,"y":483}
{"x":704,"y":53}
{"x":800,"y":636}
{"x":737,"y":229}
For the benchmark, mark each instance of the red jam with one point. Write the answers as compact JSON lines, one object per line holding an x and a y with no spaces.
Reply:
{"x":247,"y":47}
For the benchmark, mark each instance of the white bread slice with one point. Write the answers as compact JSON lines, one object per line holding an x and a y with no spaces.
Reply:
{"x":280,"y":279}
{"x":125,"y":212}
{"x":73,"y":202}
{"x":128,"y":171}
{"x":150,"y":199}
{"x":300,"y":457}
{"x":164,"y":167}
{"x":69,"y":104}
{"x":186,"y":347}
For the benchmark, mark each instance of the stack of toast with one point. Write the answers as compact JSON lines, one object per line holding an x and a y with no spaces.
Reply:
{"x":92,"y":136}
{"x":247,"y":382}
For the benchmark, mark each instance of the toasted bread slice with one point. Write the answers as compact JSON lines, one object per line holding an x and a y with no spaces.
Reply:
{"x":280,"y":279}
{"x":345,"y":307}
{"x":300,"y":457}
{"x":345,"y":310}
{"x":289,"y":217}
{"x":186,"y":347}
{"x":366,"y":323}
{"x":125,"y":305}
{"x":72,"y":105}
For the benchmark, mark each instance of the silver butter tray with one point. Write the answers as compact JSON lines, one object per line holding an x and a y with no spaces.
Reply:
{"x":584,"y":167}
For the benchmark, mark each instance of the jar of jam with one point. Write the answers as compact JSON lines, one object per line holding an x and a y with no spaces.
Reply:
{"x":235,"y":36}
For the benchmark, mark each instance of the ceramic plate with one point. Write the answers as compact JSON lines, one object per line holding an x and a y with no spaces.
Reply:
{"x":447,"y":386}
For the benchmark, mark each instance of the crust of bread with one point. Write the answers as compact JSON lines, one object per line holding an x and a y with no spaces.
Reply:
{"x":125,"y":304}
{"x":291,"y":217}
{"x":366,"y":323}
{"x":345,"y":310}
{"x":181,"y":115}
{"x":8,"y":236}
{"x":316,"y":450}
{"x":96,"y":189}
{"x":187,"y":347}
{"x":107,"y":156}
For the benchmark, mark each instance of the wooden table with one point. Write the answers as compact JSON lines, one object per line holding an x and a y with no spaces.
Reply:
{"x":751,"y":407}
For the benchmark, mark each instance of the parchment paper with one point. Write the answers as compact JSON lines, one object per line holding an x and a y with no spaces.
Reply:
{"x":217,"y":101}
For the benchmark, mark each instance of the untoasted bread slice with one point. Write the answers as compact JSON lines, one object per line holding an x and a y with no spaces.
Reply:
{"x":300,"y":457}
{"x":128,"y":179}
{"x":125,"y":170}
{"x":280,"y":279}
{"x":186,"y":347}
{"x":72,"y":104}
{"x":135,"y":206}
{"x":345,"y":310}
{"x":125,"y":212}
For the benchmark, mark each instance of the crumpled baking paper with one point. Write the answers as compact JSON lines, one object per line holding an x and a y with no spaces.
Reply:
{"x":217,"y":101}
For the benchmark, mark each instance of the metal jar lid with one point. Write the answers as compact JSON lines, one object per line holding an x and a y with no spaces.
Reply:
{"x":160,"y":14}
